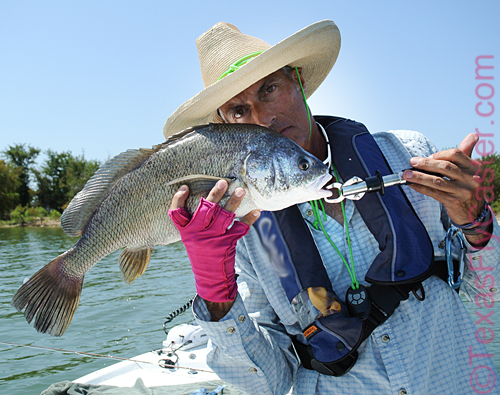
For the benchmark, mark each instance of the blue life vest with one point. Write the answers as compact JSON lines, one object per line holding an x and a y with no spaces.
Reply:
{"x":406,"y":255}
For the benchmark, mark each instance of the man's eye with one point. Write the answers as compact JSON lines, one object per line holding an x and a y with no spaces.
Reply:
{"x":270,"y":88}
{"x":238,"y":113}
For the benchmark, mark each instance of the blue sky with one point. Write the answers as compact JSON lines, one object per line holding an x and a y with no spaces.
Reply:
{"x":100,"y":77}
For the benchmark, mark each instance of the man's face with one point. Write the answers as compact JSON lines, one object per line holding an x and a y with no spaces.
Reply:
{"x":274,"y":102}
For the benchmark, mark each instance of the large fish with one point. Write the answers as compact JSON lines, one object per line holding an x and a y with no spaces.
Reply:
{"x":125,"y":204}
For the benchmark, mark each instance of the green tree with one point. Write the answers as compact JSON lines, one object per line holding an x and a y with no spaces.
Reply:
{"x":40,"y":213}
{"x":51,"y":192}
{"x":61,"y":177}
{"x":491,"y":180}
{"x":22,"y":156}
{"x":55,"y":215}
{"x":9,"y":183}
{"x":20,"y":215}
{"x":78,"y":172}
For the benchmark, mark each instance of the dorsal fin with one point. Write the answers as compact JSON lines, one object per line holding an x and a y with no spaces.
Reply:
{"x":80,"y":209}
{"x":83,"y":205}
{"x":181,"y":134}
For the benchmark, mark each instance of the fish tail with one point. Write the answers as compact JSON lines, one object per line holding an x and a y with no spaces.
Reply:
{"x":50,"y":296}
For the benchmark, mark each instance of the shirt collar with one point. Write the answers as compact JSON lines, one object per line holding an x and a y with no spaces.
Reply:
{"x":328,"y":160}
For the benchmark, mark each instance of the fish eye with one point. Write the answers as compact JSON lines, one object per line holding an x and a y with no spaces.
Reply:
{"x":304,"y":164}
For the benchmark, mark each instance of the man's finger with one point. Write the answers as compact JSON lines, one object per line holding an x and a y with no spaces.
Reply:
{"x":217,"y":191}
{"x":234,"y":200}
{"x":468,"y":143}
{"x":180,"y":197}
{"x":251,"y":217}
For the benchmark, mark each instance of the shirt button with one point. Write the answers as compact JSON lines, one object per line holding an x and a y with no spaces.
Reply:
{"x":230,"y":330}
{"x":493,"y":289}
{"x":242,"y":318}
{"x":386,"y":338}
{"x":402,"y":391}
{"x":310,"y":213}
{"x":253,"y":370}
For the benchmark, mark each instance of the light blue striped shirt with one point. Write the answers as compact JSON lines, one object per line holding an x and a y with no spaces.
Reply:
{"x":425,"y":347}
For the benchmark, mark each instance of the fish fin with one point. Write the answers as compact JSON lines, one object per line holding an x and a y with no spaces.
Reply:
{"x":179,"y":135}
{"x":133,"y":262}
{"x":80,"y":209}
{"x":198,"y":182}
{"x":50,"y":296}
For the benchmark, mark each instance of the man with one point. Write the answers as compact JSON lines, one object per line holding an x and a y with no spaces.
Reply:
{"x":424,"y":346}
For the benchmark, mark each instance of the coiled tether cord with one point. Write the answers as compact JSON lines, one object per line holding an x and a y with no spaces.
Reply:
{"x":177,"y":312}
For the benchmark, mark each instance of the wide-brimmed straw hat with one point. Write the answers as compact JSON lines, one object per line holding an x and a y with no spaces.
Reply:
{"x":314,"y":48}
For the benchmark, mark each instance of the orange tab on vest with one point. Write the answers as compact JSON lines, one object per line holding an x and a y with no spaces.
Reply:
{"x":310,"y":331}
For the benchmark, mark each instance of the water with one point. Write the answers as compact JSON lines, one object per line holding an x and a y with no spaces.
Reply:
{"x":112,"y":319}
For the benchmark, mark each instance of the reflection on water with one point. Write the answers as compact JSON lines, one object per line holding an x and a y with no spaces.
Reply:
{"x":112,"y":318}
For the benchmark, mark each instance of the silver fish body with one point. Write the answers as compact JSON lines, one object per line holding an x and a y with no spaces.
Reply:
{"x":125,"y":205}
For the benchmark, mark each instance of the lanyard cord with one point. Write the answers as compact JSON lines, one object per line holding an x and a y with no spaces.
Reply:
{"x":305,"y":102}
{"x":319,"y":220}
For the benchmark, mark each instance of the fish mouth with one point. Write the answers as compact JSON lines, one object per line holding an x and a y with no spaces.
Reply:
{"x":318,"y":187}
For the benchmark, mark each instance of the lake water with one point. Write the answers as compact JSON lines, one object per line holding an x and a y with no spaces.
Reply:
{"x":112,"y":319}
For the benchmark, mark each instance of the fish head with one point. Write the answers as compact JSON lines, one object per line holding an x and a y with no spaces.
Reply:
{"x":280,"y":174}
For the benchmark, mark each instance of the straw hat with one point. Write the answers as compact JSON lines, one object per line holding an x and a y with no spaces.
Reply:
{"x":314,"y":48}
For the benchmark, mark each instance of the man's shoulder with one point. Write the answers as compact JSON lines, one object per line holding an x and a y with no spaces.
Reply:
{"x":415,"y":143}
{"x":405,"y":141}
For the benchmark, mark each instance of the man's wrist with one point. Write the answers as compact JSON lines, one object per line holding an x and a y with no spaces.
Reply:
{"x":479,"y":234}
{"x":482,"y":217}
{"x":218,"y":310}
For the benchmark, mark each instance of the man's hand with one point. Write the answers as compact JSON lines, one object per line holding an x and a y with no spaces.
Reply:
{"x":215,"y":196}
{"x":457,"y":191}
{"x":211,"y":245}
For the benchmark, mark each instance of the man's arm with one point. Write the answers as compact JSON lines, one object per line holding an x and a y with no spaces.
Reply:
{"x":482,"y":269}
{"x":251,"y":348}
{"x":458,"y":191}
{"x":253,"y":353}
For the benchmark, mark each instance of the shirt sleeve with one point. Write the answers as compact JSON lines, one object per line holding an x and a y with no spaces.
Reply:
{"x":481,"y":281}
{"x":481,"y":277}
{"x":249,"y":347}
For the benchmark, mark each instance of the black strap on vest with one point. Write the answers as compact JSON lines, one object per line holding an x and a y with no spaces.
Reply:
{"x":390,"y":217}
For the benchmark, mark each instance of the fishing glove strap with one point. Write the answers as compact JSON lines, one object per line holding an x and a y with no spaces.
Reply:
{"x":211,"y":247}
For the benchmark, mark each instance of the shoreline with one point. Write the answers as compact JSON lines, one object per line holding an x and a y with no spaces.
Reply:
{"x":45,"y":223}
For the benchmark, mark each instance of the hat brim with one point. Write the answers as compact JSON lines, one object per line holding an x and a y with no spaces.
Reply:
{"x":314,"y":48}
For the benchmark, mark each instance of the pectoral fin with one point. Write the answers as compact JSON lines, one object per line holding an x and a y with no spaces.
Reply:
{"x":198,"y":182}
{"x":133,"y":262}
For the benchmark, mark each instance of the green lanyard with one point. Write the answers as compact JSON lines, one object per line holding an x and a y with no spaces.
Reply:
{"x":319,"y":220}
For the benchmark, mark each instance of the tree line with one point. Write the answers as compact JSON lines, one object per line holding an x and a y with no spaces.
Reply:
{"x":30,"y":191}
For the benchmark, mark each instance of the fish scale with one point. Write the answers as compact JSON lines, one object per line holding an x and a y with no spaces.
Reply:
{"x":125,"y":205}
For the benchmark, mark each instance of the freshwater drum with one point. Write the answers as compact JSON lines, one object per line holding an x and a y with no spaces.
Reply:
{"x":125,"y":205}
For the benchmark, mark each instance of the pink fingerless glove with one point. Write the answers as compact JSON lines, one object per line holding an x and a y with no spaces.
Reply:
{"x":211,"y":248}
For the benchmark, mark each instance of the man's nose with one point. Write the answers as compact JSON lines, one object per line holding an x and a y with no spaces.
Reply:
{"x":264,"y":117}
